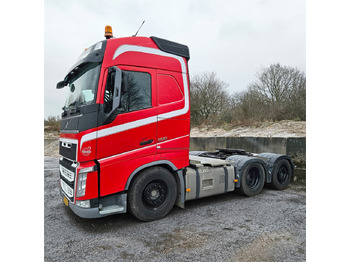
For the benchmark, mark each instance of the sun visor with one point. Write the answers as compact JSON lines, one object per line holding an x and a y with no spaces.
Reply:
{"x":94,"y":53}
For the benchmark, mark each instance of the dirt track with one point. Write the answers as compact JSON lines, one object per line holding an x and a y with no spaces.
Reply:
{"x":268,"y":227}
{"x":285,"y":128}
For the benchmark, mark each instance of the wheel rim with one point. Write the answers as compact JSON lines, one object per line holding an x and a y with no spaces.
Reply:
{"x":253,"y":177}
{"x":154,"y":194}
{"x":282,"y":174}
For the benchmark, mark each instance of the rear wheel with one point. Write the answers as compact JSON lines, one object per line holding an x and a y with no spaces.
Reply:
{"x":152,"y":194}
{"x":252,"y":180}
{"x":282,"y":175}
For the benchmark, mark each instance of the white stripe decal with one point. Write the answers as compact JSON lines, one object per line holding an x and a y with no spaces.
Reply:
{"x":142,"y":148}
{"x":116,"y":129}
{"x":124,"y":153}
{"x":170,"y":140}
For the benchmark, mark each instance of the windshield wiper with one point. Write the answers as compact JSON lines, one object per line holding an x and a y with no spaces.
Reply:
{"x":71,"y":111}
{"x":74,"y":110}
{"x":73,"y":103}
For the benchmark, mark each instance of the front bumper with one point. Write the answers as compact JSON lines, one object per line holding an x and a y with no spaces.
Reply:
{"x":111,"y":205}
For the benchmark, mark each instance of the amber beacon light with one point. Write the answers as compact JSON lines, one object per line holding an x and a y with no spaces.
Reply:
{"x":108,"y":32}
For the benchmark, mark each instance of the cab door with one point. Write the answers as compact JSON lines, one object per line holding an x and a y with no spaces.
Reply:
{"x":173,"y":127}
{"x":127,"y":138}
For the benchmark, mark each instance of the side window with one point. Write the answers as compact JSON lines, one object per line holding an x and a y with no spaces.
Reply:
{"x":135,"y":92}
{"x":168,"y":90}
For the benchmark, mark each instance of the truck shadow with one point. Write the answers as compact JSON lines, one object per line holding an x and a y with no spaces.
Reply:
{"x":103,"y":224}
{"x":115,"y":223}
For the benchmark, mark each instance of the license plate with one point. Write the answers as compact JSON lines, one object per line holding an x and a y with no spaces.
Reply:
{"x":65,"y":200}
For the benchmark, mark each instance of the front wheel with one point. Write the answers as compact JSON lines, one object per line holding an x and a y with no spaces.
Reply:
{"x":152,"y":194}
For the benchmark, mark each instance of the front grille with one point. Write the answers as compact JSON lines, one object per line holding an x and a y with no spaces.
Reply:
{"x":67,"y":189}
{"x":67,"y":174}
{"x":67,"y":177}
{"x":68,"y":148}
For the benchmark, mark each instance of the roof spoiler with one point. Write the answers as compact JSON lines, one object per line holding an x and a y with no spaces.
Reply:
{"x":172,"y":47}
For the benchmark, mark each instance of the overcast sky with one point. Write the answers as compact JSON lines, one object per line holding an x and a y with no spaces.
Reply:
{"x":234,"y":38}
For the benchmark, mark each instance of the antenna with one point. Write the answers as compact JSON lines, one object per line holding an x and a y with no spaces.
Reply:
{"x":139,"y":28}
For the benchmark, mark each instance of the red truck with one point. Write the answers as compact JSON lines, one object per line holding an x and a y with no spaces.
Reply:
{"x":125,"y":135}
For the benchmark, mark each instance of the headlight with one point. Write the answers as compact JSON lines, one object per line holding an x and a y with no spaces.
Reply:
{"x":81,"y":181}
{"x":81,"y":184}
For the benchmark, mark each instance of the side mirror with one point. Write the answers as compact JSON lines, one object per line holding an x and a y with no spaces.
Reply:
{"x":117,"y":87}
{"x":61,"y":84}
{"x":112,"y":94}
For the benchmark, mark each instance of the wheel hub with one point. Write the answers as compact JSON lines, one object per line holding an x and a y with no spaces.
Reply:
{"x":154,"y":194}
{"x":282,"y":174}
{"x":253,"y":178}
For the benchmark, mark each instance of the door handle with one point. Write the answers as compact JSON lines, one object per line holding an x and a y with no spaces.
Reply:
{"x":146,"y":142}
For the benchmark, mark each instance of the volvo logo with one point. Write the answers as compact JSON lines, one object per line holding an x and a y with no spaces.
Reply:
{"x":86,"y":151}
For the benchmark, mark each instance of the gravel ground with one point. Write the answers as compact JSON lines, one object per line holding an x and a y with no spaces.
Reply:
{"x":229,"y":227}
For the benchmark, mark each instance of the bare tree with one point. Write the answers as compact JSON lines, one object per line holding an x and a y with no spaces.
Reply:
{"x":283,"y":89}
{"x":249,"y":107}
{"x":208,"y":97}
{"x":278,"y":93}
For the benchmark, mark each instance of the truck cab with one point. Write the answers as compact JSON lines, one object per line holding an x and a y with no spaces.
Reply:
{"x":127,"y":109}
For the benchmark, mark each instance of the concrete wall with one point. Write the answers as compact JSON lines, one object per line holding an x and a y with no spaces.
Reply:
{"x":295,"y":146}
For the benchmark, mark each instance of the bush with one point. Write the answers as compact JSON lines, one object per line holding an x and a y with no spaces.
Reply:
{"x":52,"y":123}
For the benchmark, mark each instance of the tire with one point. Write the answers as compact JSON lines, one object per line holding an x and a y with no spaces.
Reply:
{"x":281,"y":175}
{"x":252,"y":180}
{"x":152,"y":194}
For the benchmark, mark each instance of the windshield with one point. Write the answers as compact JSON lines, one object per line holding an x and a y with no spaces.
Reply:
{"x":82,"y":85}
